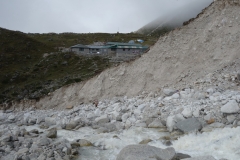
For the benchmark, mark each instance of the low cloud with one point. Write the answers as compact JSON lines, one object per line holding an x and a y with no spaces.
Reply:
{"x":83,"y":16}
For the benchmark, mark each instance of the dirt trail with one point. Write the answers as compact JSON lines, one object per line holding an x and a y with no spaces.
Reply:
{"x":208,"y":43}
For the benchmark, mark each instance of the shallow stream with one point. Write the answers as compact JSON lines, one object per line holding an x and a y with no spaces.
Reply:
{"x":220,"y":143}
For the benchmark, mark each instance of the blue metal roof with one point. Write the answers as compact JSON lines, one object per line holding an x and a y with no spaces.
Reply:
{"x":111,"y":45}
{"x":136,"y":47}
{"x":122,"y":44}
{"x":99,"y":47}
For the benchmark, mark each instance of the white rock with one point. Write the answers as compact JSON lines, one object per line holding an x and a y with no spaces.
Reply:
{"x":178,"y":117}
{"x":231,"y":118}
{"x":167,"y":98}
{"x":50,"y":121}
{"x":187,"y":112}
{"x":102,"y":119}
{"x":156,"y":124}
{"x":210,"y":91}
{"x":98,"y":112}
{"x":168,"y":91}
{"x":170,"y":123}
{"x":132,"y":119}
{"x":208,"y":117}
{"x":199,"y":95}
{"x":217,"y":125}
{"x":125,"y":117}
{"x":238,"y":98}
{"x":115,"y":114}
{"x":196,"y":113}
{"x":185,"y":94}
{"x":231,"y":107}
{"x":128,"y":124}
{"x":141,"y":124}
{"x":175,"y":96}
{"x":137,"y":112}
{"x":26,"y":117}
{"x":141,"y":107}
{"x":91,"y":115}
{"x":11,"y":117}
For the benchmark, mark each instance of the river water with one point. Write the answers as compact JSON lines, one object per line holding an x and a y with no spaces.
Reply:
{"x":220,"y":143}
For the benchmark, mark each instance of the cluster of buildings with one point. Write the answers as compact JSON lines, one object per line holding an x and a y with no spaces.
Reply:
{"x":110,"y":48}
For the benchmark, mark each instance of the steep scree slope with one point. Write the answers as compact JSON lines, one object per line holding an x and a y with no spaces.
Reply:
{"x":205,"y":45}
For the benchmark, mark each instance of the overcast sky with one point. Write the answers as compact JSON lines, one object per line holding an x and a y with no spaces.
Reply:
{"x":83,"y":16}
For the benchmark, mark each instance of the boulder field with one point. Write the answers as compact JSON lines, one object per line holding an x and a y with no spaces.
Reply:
{"x":188,"y":83}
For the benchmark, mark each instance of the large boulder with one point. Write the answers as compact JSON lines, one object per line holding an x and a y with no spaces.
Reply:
{"x":52,"y":133}
{"x":188,"y":125}
{"x":187,"y":112}
{"x":83,"y":143}
{"x":170,"y":123}
{"x":71,"y":125}
{"x":168,"y":91}
{"x":102,"y":119}
{"x":156,"y":124}
{"x":49,"y":121}
{"x":230,"y":107}
{"x":145,"y":152}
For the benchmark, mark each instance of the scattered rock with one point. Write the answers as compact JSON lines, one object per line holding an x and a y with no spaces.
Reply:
{"x":50,"y":121}
{"x":230,"y":107}
{"x":156,"y":124}
{"x":188,"y":125}
{"x":181,"y":156}
{"x":145,"y":141}
{"x":71,"y":125}
{"x":102,"y":119}
{"x":168,"y":91}
{"x":84,"y":143}
{"x":143,"y":152}
{"x":52,"y":133}
{"x":11,"y":117}
{"x":187,"y":113}
{"x":69,"y":107}
{"x":170,"y":123}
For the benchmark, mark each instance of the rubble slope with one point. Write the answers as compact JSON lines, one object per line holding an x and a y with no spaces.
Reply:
{"x":208,"y":43}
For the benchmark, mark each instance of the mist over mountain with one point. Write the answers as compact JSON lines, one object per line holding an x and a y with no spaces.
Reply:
{"x":175,"y":17}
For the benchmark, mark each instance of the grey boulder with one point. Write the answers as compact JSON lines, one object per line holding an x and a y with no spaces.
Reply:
{"x":188,"y":125}
{"x":168,"y":91}
{"x":145,"y":152}
{"x":230,"y":107}
{"x":49,"y":121}
{"x":71,"y":125}
{"x":52,"y":133}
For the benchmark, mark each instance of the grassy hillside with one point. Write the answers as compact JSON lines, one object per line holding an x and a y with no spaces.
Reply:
{"x":31,"y":65}
{"x":26,"y":73}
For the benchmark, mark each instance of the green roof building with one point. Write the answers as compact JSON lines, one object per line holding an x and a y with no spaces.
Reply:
{"x":110,"y":48}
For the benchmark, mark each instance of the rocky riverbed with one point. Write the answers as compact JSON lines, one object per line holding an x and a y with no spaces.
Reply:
{"x":172,"y":123}
{"x":183,"y":101}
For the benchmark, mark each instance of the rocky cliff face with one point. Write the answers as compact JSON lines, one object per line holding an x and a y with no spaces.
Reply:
{"x":208,"y":44}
